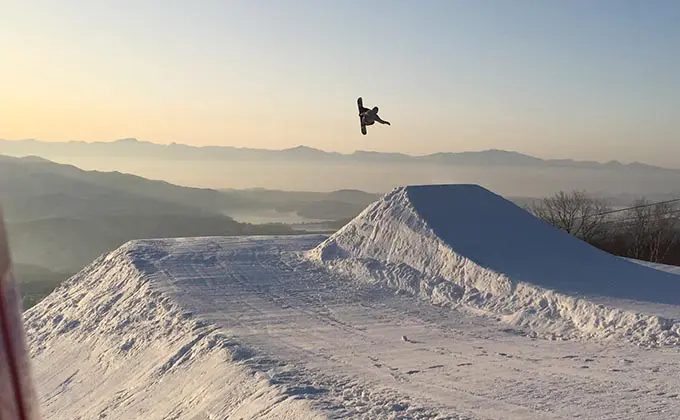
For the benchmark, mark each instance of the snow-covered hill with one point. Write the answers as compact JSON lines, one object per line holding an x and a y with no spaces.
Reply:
{"x":464,"y":245}
{"x":118,"y":340}
{"x":431,"y":304}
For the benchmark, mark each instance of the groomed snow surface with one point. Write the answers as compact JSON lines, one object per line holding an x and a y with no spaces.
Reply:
{"x":436,"y":302}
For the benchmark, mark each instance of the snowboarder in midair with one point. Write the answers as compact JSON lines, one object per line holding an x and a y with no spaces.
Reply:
{"x":368,"y":116}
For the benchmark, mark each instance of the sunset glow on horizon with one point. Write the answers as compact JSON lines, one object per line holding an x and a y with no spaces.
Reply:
{"x":577,"y":79}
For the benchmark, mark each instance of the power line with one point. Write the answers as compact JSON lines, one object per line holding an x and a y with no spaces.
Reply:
{"x":634,"y":207}
{"x":639,"y":206}
{"x":634,"y":220}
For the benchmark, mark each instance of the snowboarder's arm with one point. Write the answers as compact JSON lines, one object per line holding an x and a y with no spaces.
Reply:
{"x":381,"y":121}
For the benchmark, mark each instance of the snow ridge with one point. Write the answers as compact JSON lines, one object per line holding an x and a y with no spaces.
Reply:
{"x":466,"y":247}
{"x":128,"y":348}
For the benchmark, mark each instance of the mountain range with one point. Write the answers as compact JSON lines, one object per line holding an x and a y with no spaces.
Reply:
{"x":60,"y":217}
{"x":131,"y":147}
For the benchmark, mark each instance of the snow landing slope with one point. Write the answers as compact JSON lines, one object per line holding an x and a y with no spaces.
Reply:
{"x":464,"y":245}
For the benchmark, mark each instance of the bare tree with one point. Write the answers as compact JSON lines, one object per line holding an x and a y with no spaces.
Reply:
{"x":576,"y":213}
{"x":637,"y":229}
{"x":651,"y":229}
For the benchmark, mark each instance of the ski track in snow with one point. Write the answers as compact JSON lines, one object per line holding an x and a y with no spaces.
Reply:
{"x":244,"y":328}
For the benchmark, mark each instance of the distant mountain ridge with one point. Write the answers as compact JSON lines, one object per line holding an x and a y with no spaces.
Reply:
{"x":60,"y":217}
{"x":175,"y":151}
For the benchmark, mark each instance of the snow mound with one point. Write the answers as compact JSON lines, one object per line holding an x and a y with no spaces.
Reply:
{"x":117,"y":347}
{"x":464,"y":246}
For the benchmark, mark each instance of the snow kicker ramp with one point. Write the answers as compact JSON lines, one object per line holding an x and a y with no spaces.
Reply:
{"x":464,"y":245}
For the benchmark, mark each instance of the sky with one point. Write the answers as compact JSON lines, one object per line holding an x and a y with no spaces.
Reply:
{"x":569,"y":79}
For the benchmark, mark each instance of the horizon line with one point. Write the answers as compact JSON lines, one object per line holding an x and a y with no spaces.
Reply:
{"x":300,"y":146}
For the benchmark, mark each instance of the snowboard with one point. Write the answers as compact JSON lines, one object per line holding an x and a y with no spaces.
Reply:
{"x":360,"y":105}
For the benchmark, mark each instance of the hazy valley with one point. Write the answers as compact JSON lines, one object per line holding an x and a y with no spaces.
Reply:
{"x":60,"y":217}
{"x":307,"y":169}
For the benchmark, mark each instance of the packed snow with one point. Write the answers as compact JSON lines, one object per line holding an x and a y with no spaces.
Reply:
{"x":436,"y":302}
{"x":463,"y":245}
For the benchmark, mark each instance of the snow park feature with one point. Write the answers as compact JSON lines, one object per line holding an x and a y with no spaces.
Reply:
{"x":436,"y":302}
{"x":470,"y":246}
